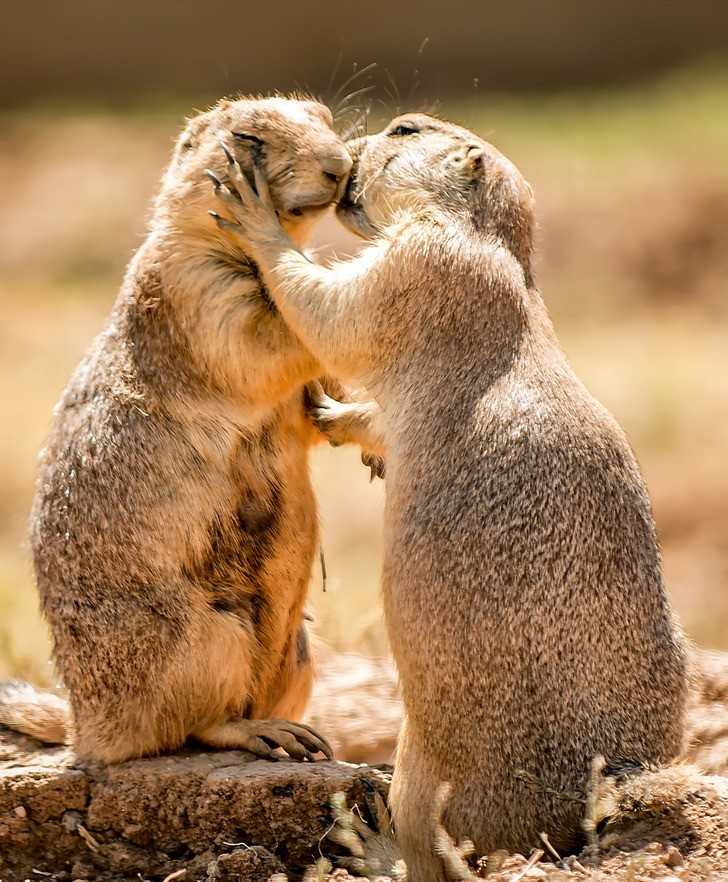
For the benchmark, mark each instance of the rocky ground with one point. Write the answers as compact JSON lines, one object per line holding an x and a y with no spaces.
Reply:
{"x":204,"y":813}
{"x":227,"y":816}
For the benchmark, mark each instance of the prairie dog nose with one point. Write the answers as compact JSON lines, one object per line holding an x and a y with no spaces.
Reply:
{"x":336,"y":165}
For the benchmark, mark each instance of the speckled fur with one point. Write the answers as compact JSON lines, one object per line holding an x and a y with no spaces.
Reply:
{"x":174,"y":524}
{"x":522,"y":581}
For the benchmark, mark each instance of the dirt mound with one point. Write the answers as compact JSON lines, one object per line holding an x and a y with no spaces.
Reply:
{"x":669,"y":824}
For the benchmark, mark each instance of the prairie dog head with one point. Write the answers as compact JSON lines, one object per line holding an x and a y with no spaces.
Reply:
{"x":418,"y":164}
{"x":305,"y":161}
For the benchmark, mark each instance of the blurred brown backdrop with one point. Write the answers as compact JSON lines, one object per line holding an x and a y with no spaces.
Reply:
{"x":618,"y":115}
{"x":112,"y":51}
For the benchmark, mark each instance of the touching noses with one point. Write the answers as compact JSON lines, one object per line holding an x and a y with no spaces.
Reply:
{"x":336,"y":166}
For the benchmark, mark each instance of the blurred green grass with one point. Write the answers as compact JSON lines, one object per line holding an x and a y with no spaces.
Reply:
{"x":632,"y":193}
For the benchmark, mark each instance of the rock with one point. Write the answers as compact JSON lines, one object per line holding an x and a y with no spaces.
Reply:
{"x":153,"y":817}
{"x":249,"y":864}
{"x":673,"y":858}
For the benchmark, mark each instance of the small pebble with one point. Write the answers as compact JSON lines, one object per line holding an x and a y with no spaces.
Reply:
{"x":71,"y":820}
{"x":673,"y":858}
{"x":21,"y":812}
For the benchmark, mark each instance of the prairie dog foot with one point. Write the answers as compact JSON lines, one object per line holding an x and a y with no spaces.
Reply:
{"x":373,"y":848}
{"x":262,"y":737}
{"x":351,"y":422}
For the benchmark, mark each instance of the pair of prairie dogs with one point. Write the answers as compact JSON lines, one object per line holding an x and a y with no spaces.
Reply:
{"x":522,"y":583}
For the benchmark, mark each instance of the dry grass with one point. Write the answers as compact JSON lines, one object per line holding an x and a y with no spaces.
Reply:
{"x":632,"y":187}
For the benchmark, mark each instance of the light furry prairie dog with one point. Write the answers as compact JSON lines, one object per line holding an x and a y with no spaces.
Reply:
{"x":522,"y":585}
{"x":174,"y":524}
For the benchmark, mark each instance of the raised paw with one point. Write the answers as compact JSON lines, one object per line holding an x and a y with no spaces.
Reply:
{"x":346,"y":422}
{"x":334,"y":419}
{"x":250,"y":205}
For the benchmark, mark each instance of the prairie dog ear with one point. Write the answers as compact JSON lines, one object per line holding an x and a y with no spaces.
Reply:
{"x":190,"y":136}
{"x":468,"y":159}
{"x":197,"y":125}
{"x":474,"y":157}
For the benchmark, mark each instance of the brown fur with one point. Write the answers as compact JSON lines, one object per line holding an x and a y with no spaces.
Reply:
{"x":522,"y":582}
{"x":174,"y":524}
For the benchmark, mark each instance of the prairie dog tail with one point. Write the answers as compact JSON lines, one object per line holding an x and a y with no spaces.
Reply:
{"x":25,"y":709}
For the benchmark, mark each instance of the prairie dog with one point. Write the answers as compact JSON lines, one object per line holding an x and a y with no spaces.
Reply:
{"x":522,"y":582}
{"x":174,"y":523}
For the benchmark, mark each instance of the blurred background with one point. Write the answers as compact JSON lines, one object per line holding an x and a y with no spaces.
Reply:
{"x":616,"y":112}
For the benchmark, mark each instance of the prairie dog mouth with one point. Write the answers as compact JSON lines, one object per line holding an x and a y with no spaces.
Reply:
{"x":350,"y":211}
{"x":315,"y":201}
{"x":347,"y":199}
{"x":306,"y":210}
{"x":354,"y":218}
{"x":300,"y":210}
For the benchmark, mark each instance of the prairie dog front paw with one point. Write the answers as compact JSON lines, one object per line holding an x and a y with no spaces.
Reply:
{"x":349,"y":422}
{"x":336,"y":420}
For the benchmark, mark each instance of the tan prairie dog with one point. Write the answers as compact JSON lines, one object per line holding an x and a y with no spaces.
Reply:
{"x":174,"y":524}
{"x":522,"y":581}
